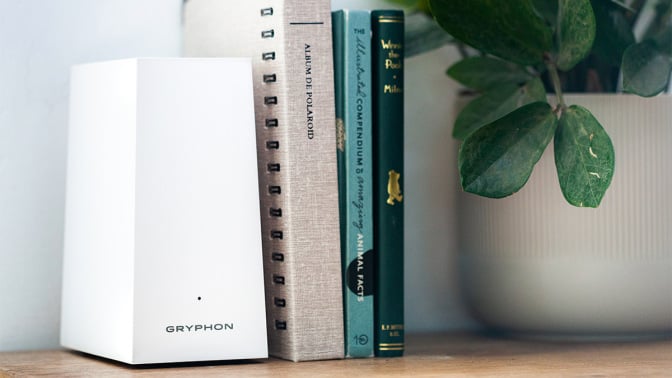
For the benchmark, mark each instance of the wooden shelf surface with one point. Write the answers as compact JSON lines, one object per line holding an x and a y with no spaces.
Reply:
{"x":426,"y":355}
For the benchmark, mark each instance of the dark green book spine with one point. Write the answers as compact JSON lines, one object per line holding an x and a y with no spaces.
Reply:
{"x":387,"y":28}
{"x":337,"y":21}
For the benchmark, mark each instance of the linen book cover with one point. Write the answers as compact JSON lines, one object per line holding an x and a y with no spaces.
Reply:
{"x":290,"y":45}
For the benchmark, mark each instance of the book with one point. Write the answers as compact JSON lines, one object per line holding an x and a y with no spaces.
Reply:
{"x":387,"y":30}
{"x":352,"y":76}
{"x":291,"y":49}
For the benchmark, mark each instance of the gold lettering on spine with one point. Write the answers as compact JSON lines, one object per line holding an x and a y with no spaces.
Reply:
{"x":393,"y":330}
{"x":393,"y":62}
{"x":392,"y":89}
{"x":391,"y":327}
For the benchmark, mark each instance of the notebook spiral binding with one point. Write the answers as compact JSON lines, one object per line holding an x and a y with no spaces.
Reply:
{"x":273,"y":167}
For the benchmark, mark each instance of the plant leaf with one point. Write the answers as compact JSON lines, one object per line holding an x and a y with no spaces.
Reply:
{"x":584,"y":157}
{"x":576,"y":32}
{"x":548,"y":10}
{"x":497,"y":159}
{"x":613,"y":32}
{"x":659,"y":28}
{"x":664,"y":39}
{"x":510,"y":29}
{"x":484,"y":73}
{"x":405,"y":3}
{"x":422,"y":34}
{"x":624,"y":6}
{"x":495,"y":104}
{"x":646,"y":70}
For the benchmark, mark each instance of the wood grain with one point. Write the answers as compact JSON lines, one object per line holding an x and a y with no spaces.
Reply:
{"x":427,"y":355}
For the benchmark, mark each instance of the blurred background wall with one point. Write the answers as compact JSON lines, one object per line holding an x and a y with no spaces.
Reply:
{"x":39,"y":41}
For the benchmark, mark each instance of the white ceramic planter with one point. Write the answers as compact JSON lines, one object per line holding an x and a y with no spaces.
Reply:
{"x":532,"y":263}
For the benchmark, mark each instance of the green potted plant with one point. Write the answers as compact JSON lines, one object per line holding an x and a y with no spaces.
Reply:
{"x":525,"y":43}
{"x":530,"y":262}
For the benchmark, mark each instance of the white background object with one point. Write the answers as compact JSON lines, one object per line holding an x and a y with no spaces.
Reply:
{"x":162,"y":227}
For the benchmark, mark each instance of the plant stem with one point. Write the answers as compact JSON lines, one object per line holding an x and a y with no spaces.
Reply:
{"x":555,"y":78}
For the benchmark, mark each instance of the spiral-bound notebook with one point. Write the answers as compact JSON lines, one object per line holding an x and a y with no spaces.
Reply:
{"x":291,"y":49}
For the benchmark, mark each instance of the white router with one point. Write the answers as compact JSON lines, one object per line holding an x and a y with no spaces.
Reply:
{"x":163,"y":258}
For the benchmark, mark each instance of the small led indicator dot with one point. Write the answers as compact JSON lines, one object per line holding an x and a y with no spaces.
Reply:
{"x":199,"y":298}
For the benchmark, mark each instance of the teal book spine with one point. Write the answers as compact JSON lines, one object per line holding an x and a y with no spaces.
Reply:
{"x":388,"y":179}
{"x":352,"y":61}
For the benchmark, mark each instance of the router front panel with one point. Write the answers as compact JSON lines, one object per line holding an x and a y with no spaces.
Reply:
{"x":197,"y":215}
{"x":196,"y":264}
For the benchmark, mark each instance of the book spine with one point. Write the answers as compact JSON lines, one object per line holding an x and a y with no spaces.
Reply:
{"x":388,"y":135}
{"x":291,"y":49}
{"x":352,"y":36}
{"x":270,"y":95}
{"x":337,"y":21}
{"x":313,"y":315}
